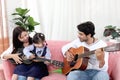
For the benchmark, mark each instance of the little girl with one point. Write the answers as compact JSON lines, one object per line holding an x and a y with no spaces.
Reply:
{"x":35,"y":70}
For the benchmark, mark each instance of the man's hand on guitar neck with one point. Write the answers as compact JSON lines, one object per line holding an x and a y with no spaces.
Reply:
{"x":69,"y":56}
{"x":100,"y":56}
{"x":16,"y":58}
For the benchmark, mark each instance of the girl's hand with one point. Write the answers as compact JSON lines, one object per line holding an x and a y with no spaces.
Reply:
{"x":38,"y":60}
{"x":32,"y":56}
{"x":46,"y":62}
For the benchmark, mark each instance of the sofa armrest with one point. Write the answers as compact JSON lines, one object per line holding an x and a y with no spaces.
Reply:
{"x":114,"y":65}
{"x":8,"y":69}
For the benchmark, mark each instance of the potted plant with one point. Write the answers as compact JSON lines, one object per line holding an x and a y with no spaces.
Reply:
{"x":24,"y":20}
{"x":112,"y":31}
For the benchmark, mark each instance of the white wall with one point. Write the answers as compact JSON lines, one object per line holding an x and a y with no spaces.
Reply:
{"x":59,"y":15}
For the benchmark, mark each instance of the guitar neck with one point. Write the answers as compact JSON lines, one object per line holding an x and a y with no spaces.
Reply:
{"x":86,"y":54}
{"x":54,"y":62}
{"x":43,"y":59}
{"x":111,"y":48}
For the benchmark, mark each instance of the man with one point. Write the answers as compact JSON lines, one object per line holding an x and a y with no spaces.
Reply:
{"x":97,"y":62}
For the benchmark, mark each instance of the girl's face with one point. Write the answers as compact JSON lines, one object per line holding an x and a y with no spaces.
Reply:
{"x":39,"y":45}
{"x":23,"y":37}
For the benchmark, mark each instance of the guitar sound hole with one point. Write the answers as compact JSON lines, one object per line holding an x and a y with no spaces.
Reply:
{"x":72,"y":63}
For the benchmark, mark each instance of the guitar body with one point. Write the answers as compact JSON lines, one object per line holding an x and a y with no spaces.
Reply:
{"x":21,"y":55}
{"x":78,"y":63}
{"x":24,"y":60}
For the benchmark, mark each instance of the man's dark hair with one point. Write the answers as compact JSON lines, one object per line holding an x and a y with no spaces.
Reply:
{"x":87,"y":28}
{"x":38,"y":37}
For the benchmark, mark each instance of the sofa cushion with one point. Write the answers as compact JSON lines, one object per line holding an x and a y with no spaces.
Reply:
{"x":114,"y":65}
{"x":2,"y":77}
{"x":8,"y":69}
{"x":56,"y":54}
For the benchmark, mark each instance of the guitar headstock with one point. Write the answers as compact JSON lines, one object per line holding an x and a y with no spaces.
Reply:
{"x":113,"y":47}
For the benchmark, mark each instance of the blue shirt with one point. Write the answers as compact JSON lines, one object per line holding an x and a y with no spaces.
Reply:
{"x":38,"y":52}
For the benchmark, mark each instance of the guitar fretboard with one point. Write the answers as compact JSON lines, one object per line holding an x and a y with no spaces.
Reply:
{"x":111,"y":48}
{"x":54,"y":62}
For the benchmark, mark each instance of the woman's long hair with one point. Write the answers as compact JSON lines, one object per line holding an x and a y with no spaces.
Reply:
{"x":16,"y":42}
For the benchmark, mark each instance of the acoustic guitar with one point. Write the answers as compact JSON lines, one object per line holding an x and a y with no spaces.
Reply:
{"x":37,"y":59}
{"x":81,"y":57}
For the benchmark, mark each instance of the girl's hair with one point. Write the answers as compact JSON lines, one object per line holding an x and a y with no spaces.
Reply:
{"x":16,"y":42}
{"x":38,"y":37}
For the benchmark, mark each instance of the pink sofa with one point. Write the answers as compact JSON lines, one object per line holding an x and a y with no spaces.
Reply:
{"x":55,"y":47}
{"x":2,"y":77}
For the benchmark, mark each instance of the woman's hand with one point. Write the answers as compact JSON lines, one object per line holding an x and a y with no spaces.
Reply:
{"x":16,"y":58}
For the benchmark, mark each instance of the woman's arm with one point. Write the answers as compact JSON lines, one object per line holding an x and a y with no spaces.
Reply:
{"x":7,"y":55}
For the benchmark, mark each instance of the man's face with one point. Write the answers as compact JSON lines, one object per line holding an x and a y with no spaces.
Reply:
{"x":82,"y":36}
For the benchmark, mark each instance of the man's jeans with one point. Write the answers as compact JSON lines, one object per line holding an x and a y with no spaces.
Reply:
{"x":89,"y":74}
{"x":24,"y":78}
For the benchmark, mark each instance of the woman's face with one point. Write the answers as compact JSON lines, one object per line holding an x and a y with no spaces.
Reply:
{"x":23,"y":37}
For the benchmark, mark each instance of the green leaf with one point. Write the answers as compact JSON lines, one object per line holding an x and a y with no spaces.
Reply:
{"x":22,"y":12}
{"x":31,"y":28}
{"x":110,"y":27}
{"x":19,"y":23}
{"x":15,"y":14}
{"x":32,"y":22}
{"x":114,"y":35}
{"x":24,"y":20}
{"x":18,"y":19}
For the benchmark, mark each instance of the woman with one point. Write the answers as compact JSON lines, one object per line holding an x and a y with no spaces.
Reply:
{"x":21,"y":39}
